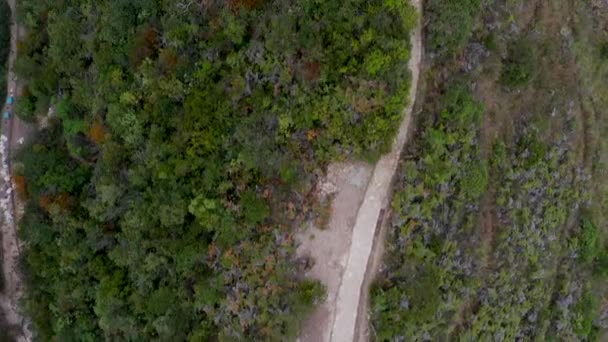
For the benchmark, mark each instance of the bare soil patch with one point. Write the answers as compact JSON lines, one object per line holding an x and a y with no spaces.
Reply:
{"x":328,"y":246}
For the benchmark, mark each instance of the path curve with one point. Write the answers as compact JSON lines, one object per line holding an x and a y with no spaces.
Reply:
{"x":369,"y":216}
{"x":13,"y":130}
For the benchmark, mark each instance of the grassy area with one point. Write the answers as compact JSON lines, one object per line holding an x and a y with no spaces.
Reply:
{"x":163,"y":199}
{"x":498,"y":226}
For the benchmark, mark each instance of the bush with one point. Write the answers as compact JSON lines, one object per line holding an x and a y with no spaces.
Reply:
{"x":585,"y":312}
{"x":600,"y":267}
{"x":475,"y":179}
{"x":589,"y":241}
{"x":451,"y":23}
{"x":603,"y":50}
{"x":518,"y":67}
{"x":309,"y":293}
{"x":25,"y":108}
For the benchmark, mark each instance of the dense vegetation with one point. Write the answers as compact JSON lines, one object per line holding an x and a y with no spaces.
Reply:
{"x":161,"y":199}
{"x":428,"y":214}
{"x":498,"y":230}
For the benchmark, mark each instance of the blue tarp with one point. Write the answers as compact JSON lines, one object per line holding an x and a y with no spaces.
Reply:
{"x":10,"y":100}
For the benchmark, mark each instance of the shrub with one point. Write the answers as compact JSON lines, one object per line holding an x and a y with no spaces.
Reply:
{"x":585,"y":312}
{"x":600,"y":267}
{"x":518,"y":67}
{"x":589,"y":241}
{"x":97,"y":132}
{"x":309,"y":292}
{"x":451,"y":23}
{"x":25,"y":108}
{"x":604,"y":50}
{"x":475,"y":179}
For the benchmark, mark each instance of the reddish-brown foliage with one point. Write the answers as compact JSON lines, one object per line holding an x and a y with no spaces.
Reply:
{"x":213,"y":252}
{"x":145,"y":45}
{"x":167,"y":60}
{"x":235,"y":5}
{"x":312,"y":134}
{"x":20,"y":186}
{"x":25,"y":91}
{"x":63,"y":200}
{"x":97,"y":132}
{"x":312,"y":71}
{"x":44,"y":202}
{"x":109,"y":228}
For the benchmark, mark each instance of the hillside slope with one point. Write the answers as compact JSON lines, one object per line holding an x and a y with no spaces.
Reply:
{"x":498,"y":229}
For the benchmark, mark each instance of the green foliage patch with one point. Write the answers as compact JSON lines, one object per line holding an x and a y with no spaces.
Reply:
{"x":589,"y":240}
{"x":428,"y":277}
{"x":518,"y":67}
{"x":453,"y":22}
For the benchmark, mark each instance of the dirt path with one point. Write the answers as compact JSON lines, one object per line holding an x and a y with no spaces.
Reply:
{"x":14,"y":132}
{"x":329,"y":247}
{"x":345,"y":253}
{"x":369,"y":217}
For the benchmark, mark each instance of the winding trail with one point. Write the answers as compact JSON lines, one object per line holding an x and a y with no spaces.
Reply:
{"x":14,"y":131}
{"x":369,"y":216}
